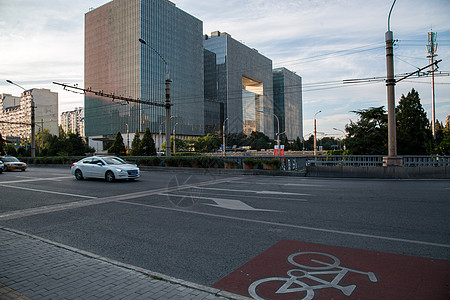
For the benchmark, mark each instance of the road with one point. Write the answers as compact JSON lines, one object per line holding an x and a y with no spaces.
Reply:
{"x":201,"y":227}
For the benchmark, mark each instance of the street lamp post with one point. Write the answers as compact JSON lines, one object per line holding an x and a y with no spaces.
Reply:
{"x":224,"y":147}
{"x":343,"y":136}
{"x":160,"y":137}
{"x":128,"y":139}
{"x":33,"y":121}
{"x":174,"y":136}
{"x":391,"y":159}
{"x":278,"y":133}
{"x":315,"y":133}
{"x":168,"y":105}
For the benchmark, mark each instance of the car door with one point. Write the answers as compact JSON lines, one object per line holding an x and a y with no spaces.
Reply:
{"x":98,"y":168}
{"x":86,"y":167}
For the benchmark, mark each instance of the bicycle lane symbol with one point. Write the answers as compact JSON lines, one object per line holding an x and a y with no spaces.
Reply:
{"x":313,"y":275}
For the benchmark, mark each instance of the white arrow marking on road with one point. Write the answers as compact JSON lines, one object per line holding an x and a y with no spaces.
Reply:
{"x":224,"y":203}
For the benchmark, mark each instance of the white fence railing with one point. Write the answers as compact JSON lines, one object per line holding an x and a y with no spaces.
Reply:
{"x":426,"y":161}
{"x":377,"y":160}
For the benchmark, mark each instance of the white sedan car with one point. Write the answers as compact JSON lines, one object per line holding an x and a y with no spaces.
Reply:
{"x":107,"y":167}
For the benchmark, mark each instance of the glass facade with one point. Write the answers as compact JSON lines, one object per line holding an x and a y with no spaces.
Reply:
{"x":287,"y":94}
{"x":116,"y":62}
{"x":244,"y":85}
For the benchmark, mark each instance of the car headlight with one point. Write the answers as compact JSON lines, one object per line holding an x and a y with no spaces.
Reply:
{"x":121,"y":171}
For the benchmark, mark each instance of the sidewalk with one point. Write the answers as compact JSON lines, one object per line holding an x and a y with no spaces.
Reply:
{"x":35,"y":268}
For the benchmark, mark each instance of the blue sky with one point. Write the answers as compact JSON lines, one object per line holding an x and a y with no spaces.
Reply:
{"x":325,"y":42}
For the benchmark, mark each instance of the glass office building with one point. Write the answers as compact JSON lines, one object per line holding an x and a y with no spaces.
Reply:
{"x":241,"y":86}
{"x":287,"y":95}
{"x":117,"y":63}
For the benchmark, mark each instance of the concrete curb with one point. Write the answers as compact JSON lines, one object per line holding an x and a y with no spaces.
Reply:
{"x":151,"y":274}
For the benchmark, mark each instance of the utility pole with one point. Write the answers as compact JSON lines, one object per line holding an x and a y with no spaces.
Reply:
{"x":432,"y":48}
{"x":224,"y":147}
{"x":391,"y":159}
{"x":315,"y":133}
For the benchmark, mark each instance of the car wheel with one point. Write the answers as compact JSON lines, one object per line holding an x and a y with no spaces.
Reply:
{"x":109,"y":176}
{"x":78,"y":174}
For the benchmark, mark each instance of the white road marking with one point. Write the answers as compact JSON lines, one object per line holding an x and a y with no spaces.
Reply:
{"x":35,"y":179}
{"x":48,"y":192}
{"x":223,"y":203}
{"x":283,"y":184}
{"x":95,"y":201}
{"x":262,"y":197}
{"x":292,"y":225}
{"x":251,"y":191}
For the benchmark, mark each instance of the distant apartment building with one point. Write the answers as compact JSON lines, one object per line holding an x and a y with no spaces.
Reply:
{"x":238,"y":87}
{"x":287,"y":102}
{"x":15,"y":113}
{"x":117,"y":63}
{"x":73,"y":121}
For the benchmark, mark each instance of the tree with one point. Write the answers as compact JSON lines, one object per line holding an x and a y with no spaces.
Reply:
{"x":2,"y":145}
{"x":118,"y":147}
{"x":207,"y":143}
{"x":259,"y":140}
{"x":414,"y":136}
{"x":368,"y":136}
{"x":135,"y":144}
{"x":147,"y":145}
{"x":442,"y":142}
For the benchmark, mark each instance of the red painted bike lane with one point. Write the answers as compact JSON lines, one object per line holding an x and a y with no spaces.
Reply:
{"x":298,"y":270}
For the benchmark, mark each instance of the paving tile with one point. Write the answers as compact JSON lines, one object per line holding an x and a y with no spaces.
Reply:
{"x":38,"y":269}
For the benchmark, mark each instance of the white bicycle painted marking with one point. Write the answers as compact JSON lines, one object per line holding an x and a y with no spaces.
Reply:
{"x":310,"y":273}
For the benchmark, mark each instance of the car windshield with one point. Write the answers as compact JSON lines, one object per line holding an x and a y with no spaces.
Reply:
{"x":10,"y":159}
{"x":114,"y":161}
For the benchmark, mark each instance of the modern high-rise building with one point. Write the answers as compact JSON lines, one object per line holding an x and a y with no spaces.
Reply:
{"x":287,"y":95}
{"x":117,"y":63}
{"x":238,"y":87}
{"x":73,"y":121}
{"x":15,"y":113}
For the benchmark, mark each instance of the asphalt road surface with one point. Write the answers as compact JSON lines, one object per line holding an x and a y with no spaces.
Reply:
{"x":201,"y":227}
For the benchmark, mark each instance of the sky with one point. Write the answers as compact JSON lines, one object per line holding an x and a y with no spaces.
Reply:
{"x":323,"y":41}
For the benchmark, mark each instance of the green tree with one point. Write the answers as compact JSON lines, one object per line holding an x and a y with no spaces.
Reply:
{"x":135,"y":144}
{"x":118,"y":147}
{"x":2,"y":145}
{"x":59,"y":146}
{"x":442,"y":142}
{"x":207,"y":143}
{"x":414,"y":136}
{"x":147,"y":145}
{"x":368,"y":136}
{"x":259,"y":140}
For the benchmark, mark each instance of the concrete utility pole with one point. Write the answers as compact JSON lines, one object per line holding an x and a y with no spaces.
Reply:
{"x":315,"y":133}
{"x":33,"y":119}
{"x":391,"y":159}
{"x":432,"y":48}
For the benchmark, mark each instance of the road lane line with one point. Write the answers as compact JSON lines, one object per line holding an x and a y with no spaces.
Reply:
{"x":283,"y":184}
{"x":260,"y":197}
{"x":84,"y":203}
{"x":292,"y":225}
{"x":251,"y":191}
{"x":48,"y":192}
{"x":35,"y":179}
